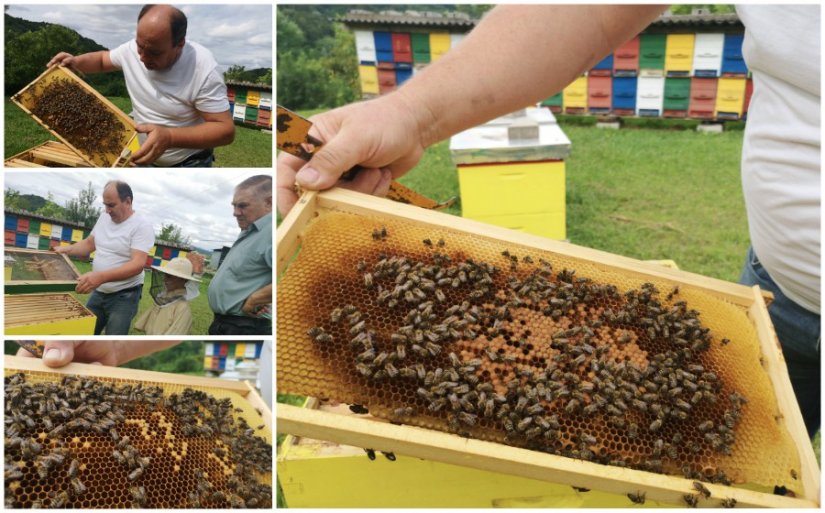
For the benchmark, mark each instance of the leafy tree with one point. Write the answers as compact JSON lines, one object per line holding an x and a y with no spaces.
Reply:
{"x":173,"y":233}
{"x":82,"y":209}
{"x":712,"y":8}
{"x":13,"y":199}
{"x":52,"y":209}
{"x":28,"y":53}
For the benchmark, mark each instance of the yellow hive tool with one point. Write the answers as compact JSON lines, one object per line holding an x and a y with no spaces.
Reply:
{"x":293,"y":137}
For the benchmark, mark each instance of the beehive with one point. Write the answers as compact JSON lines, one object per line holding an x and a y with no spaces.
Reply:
{"x":39,"y":271}
{"x":47,"y":314}
{"x":48,"y":154}
{"x":187,"y":466}
{"x":745,"y":443}
{"x":83,"y":119}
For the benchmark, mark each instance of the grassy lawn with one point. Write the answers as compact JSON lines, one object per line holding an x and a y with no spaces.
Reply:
{"x":251,"y":148}
{"x":641,"y":193}
{"x":201,"y":313}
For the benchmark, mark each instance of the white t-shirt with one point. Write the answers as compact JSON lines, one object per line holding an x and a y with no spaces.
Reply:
{"x":173,"y":97}
{"x":780,"y":156}
{"x":114,"y":244}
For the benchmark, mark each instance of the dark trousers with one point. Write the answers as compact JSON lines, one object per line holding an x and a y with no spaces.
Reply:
{"x":239,"y":325}
{"x":799,"y":333}
{"x":115,"y":311}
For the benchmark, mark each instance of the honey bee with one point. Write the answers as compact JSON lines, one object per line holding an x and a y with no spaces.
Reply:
{"x":78,"y":487}
{"x":428,"y":243}
{"x":637,"y":498}
{"x":729,"y":502}
{"x":135,"y":474}
{"x":655,"y":425}
{"x":691,"y":500}
{"x":702,"y":489}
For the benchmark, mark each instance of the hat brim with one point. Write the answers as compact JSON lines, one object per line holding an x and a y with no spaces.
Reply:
{"x":176,"y":274}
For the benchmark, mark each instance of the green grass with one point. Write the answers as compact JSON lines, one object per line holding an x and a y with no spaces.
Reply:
{"x":251,"y":148}
{"x":201,"y":313}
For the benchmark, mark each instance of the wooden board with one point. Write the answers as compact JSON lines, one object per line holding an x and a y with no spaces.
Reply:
{"x":33,"y":283}
{"x":449,"y":448}
{"x":26,"y":99}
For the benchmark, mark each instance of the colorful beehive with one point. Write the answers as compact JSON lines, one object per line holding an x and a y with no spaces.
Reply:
{"x":554,"y":103}
{"x":626,"y":59}
{"x":439,"y":44}
{"x":365,"y":46}
{"x":510,"y":181}
{"x":253,"y":98}
{"x":748,"y":94}
{"x":250,"y":114}
{"x":386,"y":80}
{"x":401,"y":48}
{"x":603,"y":68}
{"x":383,"y":46}
{"x":264,"y":118}
{"x":599,"y":90}
{"x":575,"y":96}
{"x":652,"y":54}
{"x":702,"y":97}
{"x":402,"y":75}
{"x":266,"y":100}
{"x":420,"y":47}
{"x":650,"y":96}
{"x":707,"y":55}
{"x":679,"y":54}
{"x":239,"y":112}
{"x":624,"y":96}
{"x":677,"y":97}
{"x":47,"y":314}
{"x":730,"y":98}
{"x":733,"y":62}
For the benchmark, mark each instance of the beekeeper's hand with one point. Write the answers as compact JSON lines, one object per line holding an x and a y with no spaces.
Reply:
{"x":100,"y":352}
{"x":88,"y":282}
{"x":158,"y":141}
{"x":197,"y":261}
{"x":63,"y":59}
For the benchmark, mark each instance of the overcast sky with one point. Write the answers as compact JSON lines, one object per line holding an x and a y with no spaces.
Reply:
{"x":236,"y":34}
{"x":199,"y":201}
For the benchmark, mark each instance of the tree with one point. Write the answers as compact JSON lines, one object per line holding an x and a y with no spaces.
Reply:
{"x":52,"y":209}
{"x":173,"y":233}
{"x":13,"y":199}
{"x":28,"y":53}
{"x":82,"y":209}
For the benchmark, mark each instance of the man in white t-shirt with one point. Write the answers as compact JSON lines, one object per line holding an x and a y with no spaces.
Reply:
{"x":178,"y":95}
{"x":121,"y":239}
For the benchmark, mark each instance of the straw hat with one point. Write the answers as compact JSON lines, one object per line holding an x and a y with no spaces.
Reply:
{"x":178,"y":266}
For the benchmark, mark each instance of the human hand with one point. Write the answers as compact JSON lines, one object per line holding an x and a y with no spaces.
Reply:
{"x":63,"y":59}
{"x":88,"y":282}
{"x":61,"y":249}
{"x":197,"y":261}
{"x":381,"y":135}
{"x":254,"y":308}
{"x":60,"y":353}
{"x":158,"y":141}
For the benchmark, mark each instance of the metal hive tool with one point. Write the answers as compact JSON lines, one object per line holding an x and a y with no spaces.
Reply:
{"x":334,"y":295}
{"x":165,"y":458}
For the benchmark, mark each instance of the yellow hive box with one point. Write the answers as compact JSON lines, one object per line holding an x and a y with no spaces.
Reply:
{"x":439,"y":45}
{"x":679,"y":54}
{"x":253,"y":98}
{"x":369,"y":79}
{"x":26,"y":99}
{"x":574,"y":95}
{"x":48,"y":154}
{"x":730,"y":98}
{"x":524,"y":196}
{"x":47,"y":314}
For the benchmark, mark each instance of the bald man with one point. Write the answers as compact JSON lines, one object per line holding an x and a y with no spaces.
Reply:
{"x":178,"y":96}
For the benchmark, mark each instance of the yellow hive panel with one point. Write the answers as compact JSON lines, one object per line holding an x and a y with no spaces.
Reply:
{"x":178,"y":445}
{"x":369,"y":79}
{"x":679,"y":53}
{"x":730,"y":96}
{"x":47,"y":314}
{"x":512,"y":188}
{"x":559,"y":340}
{"x":575,"y":94}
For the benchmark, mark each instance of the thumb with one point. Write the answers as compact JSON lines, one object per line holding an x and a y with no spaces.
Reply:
{"x":143,"y":128}
{"x":332,"y":160}
{"x":58,"y":354}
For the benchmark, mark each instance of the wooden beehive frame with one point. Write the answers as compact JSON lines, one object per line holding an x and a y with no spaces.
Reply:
{"x":242,"y":388}
{"x":112,"y":159}
{"x":448,"y":448}
{"x":15,"y":318}
{"x":46,"y":155}
{"x":24,"y":286}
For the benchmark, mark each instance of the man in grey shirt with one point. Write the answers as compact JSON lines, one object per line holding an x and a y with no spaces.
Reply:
{"x":240,"y":294}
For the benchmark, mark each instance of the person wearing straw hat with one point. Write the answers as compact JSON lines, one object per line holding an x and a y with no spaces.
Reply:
{"x":173,"y":287}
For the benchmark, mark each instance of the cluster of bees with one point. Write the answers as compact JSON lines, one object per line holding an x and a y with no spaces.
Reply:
{"x":542,"y":358}
{"x":47,"y":421}
{"x":77,"y":115}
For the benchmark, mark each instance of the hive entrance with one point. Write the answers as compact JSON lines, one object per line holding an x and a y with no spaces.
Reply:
{"x":457,"y":332}
{"x":94,"y":443}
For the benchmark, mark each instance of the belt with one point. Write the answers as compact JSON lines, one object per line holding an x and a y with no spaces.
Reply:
{"x":241,"y":321}
{"x":203,"y":154}
{"x":130,"y":289}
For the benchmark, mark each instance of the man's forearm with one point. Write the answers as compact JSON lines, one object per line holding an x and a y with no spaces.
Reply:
{"x":127,"y":351}
{"x":80,"y":249}
{"x":123,"y":272}
{"x":262,"y":296}
{"x":209,"y":134}
{"x":93,"y":62}
{"x":517,"y":55}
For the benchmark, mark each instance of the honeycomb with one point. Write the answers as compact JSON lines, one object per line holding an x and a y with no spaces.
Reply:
{"x":462,"y":333}
{"x":75,"y":442}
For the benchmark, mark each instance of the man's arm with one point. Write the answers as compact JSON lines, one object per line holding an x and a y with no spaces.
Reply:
{"x":259,"y":298}
{"x":80,"y":249}
{"x":217,"y":129}
{"x":105,"y":352}
{"x":93,"y":62}
{"x":92,"y":280}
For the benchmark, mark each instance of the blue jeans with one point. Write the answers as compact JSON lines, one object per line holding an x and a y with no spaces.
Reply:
{"x":115,"y":311}
{"x":799,"y":333}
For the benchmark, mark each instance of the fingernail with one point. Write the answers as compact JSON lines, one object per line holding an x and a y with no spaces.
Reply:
{"x":306,"y":176}
{"x":52,"y":354}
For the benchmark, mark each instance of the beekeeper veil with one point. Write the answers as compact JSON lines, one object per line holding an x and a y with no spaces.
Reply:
{"x":173,"y":282}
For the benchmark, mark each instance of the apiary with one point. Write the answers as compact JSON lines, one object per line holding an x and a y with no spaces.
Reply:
{"x":84,"y":120}
{"x":47,"y":314}
{"x":87,"y":436}
{"x":48,"y":154}
{"x":38,"y":271}
{"x":548,"y":360}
